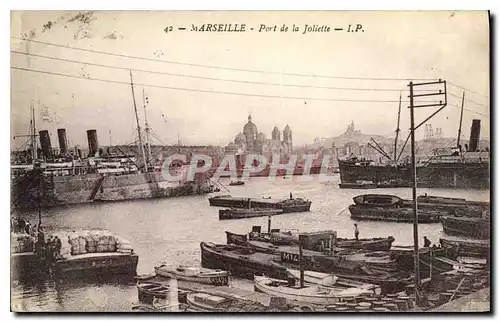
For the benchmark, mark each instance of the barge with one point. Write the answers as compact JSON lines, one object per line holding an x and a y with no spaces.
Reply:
{"x":236,"y":213}
{"x":286,"y":205}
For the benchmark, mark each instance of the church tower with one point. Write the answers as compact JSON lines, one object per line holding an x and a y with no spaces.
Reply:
{"x":276,"y":135}
{"x":287,"y":139}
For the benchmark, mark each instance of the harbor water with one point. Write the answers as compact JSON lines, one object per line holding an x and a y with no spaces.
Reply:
{"x":171,"y":230}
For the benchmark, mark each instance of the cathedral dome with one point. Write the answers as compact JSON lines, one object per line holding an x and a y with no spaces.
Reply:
{"x":250,"y":129}
{"x":261,"y":137}
{"x":240,"y":138}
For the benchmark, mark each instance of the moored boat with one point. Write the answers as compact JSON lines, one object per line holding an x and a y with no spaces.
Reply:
{"x":466,"y":226}
{"x":314,"y":294}
{"x":281,"y":238}
{"x":236,"y":183}
{"x":361,"y":212}
{"x":194,"y":274}
{"x":358,"y":185}
{"x":287,"y":205}
{"x":148,"y":290}
{"x":328,"y":280}
{"x":468,"y":247}
{"x":377,"y":200}
{"x":240,"y":261}
{"x":237,"y":213}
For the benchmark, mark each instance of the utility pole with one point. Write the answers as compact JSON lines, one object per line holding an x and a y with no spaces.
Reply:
{"x":413,"y":128}
{"x":460,"y":126}
{"x":138,"y":126}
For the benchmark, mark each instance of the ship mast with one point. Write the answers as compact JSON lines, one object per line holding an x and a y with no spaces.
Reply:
{"x":33,"y":137}
{"x":397,"y":130}
{"x":141,"y":145}
{"x":460,"y":125}
{"x":148,"y":142}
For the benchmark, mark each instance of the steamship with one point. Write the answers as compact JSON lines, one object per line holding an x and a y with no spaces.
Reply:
{"x":42,"y":178}
{"x":455,"y":169}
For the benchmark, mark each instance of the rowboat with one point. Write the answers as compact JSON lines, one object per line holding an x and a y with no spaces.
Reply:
{"x":204,"y":302}
{"x":194,"y":274}
{"x":148,"y":290}
{"x":468,"y":247}
{"x":328,"y":280}
{"x":236,"y":183}
{"x":466,"y":226}
{"x":236,"y":213}
{"x":314,"y":294}
{"x":377,"y":200}
{"x":358,"y":185}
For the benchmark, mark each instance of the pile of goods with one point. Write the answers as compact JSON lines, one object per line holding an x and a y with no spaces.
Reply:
{"x":93,"y":242}
{"x":21,"y":243}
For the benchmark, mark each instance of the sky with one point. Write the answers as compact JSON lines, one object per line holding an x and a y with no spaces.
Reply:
{"x":393,"y":47}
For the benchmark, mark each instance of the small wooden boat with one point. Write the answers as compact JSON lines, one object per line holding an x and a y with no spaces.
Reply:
{"x":468,"y":247}
{"x":377,"y":200}
{"x":328,"y":280}
{"x":194,"y":274}
{"x":236,"y":183}
{"x":314,"y":294}
{"x":236,"y":213}
{"x":204,"y":302}
{"x":148,"y":290}
{"x":359,"y":212}
{"x":466,"y":226}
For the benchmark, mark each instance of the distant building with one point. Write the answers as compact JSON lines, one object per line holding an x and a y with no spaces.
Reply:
{"x":250,"y":140}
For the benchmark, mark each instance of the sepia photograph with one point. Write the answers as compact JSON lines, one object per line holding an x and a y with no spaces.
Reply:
{"x":250,"y":161}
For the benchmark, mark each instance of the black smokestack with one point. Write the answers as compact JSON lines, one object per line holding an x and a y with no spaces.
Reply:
{"x":474,"y":135}
{"x":93,"y":144}
{"x":63,"y":145}
{"x":45,"y":143}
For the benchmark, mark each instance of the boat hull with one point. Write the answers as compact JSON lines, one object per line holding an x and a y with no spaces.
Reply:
{"x":218,"y":278}
{"x":76,"y":189}
{"x":236,"y":213}
{"x":433,"y":175}
{"x":393,"y":214}
{"x":469,"y":227}
{"x":105,"y":263}
{"x":243,"y":265}
{"x":469,"y":248}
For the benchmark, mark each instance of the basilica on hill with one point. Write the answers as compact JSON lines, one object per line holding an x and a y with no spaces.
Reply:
{"x":253,"y":141}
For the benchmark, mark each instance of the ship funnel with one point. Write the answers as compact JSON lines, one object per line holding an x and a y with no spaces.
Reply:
{"x":45,"y":143}
{"x":474,"y":135}
{"x":93,"y":144}
{"x":63,"y":145}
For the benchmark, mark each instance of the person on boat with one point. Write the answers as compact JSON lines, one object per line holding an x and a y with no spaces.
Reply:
{"x":48,"y":249}
{"x":291,"y":197}
{"x":427,"y":242}
{"x":58,"y":247}
{"x":41,"y":237}
{"x":356,"y":231}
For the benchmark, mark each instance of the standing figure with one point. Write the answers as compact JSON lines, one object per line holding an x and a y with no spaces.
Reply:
{"x":427,"y":242}
{"x":291,"y":196}
{"x":356,"y":232}
{"x":58,"y":247}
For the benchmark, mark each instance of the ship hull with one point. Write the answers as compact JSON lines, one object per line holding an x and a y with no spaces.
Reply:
{"x":64,"y":190}
{"x":439,"y":175}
